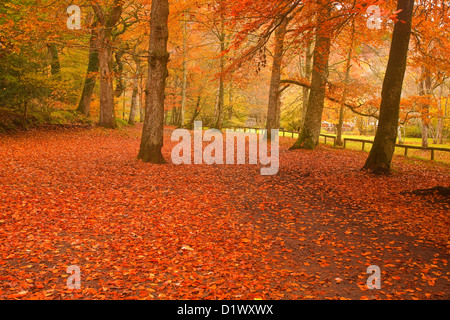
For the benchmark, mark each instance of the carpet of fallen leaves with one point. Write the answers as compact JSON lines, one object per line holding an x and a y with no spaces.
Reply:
{"x":141,"y":231}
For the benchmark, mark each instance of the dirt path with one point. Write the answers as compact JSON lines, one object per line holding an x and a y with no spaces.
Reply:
{"x":80,"y":197}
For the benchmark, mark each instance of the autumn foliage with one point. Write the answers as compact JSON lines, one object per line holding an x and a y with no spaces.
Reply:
{"x":87,"y":179}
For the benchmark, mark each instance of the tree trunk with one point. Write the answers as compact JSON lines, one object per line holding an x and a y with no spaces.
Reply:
{"x":107,"y":19}
{"x":182,"y":119}
{"x":120,"y":82}
{"x":440,"y":124}
{"x":380,"y":157}
{"x":105,"y":58}
{"x":196,"y":112}
{"x":348,"y":66}
{"x":84,"y":105}
{"x":307,"y":75}
{"x":134,"y":102}
{"x":152,"y":135}
{"x":274,"y":91}
{"x":425,"y":90}
{"x":400,"y":136}
{"x":54,"y":58}
{"x":221,"y":92}
{"x":309,"y":136}
{"x":230,"y":101}
{"x":135,"y":95}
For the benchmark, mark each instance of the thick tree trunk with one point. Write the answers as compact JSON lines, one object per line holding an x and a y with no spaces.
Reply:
{"x":273,"y":121}
{"x":380,"y":157}
{"x":105,"y":58}
{"x":107,"y":19}
{"x":152,"y":135}
{"x":84,"y":105}
{"x":309,"y":135}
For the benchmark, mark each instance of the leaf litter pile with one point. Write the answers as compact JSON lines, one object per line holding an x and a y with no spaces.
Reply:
{"x":141,"y":231}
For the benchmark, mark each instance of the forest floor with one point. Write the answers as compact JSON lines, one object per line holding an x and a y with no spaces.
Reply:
{"x":140,"y":231}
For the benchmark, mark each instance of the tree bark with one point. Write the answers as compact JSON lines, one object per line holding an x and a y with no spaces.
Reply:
{"x":424,"y":90}
{"x":55,"y":65}
{"x":152,"y":135}
{"x":348,"y":66}
{"x":273,"y":121}
{"x":307,"y":75}
{"x":107,"y":19}
{"x":135,"y":95}
{"x":309,"y":135}
{"x":185,"y":75}
{"x":380,"y":157}
{"x":221,"y":91}
{"x":196,"y":112}
{"x":84,"y":105}
{"x":120,"y":82}
{"x":440,"y":124}
{"x":105,"y":58}
{"x":133,"y":108}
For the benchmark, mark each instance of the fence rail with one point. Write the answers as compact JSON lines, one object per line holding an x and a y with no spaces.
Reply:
{"x":363,"y":141}
{"x":405,"y":146}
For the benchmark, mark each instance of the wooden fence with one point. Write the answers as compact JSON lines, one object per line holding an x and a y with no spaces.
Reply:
{"x":405,"y":146}
{"x":334,"y":138}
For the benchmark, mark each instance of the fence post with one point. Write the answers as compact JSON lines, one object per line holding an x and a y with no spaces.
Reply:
{"x":432,"y":154}
{"x":406,"y":151}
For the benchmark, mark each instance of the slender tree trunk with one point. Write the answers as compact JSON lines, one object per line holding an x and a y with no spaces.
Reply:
{"x":230,"y":101}
{"x":440,"y":124}
{"x":273,"y":121}
{"x":425,"y":89}
{"x":185,"y":75}
{"x":221,"y":92}
{"x":152,"y":135}
{"x":307,"y":75}
{"x":400,"y":136}
{"x":135,"y":96}
{"x":134,"y":102}
{"x":309,"y":135}
{"x":84,"y":105}
{"x":197,"y":111}
{"x":141,"y":99}
{"x":54,"y":59}
{"x":380,"y":157}
{"x":120,"y":82}
{"x":348,"y":66}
